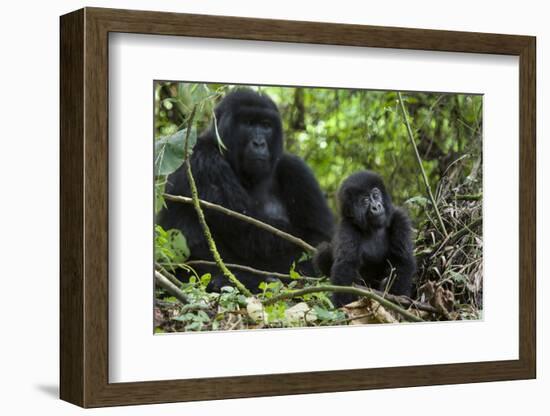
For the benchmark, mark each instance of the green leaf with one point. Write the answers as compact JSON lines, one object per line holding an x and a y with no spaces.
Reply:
{"x":420,"y":200}
{"x":293,"y":273}
{"x":205,"y":279}
{"x":170,"y":150}
{"x":328,"y":315}
{"x":179,"y":246}
{"x":159,"y":199}
{"x":170,"y":246}
{"x":199,"y":92}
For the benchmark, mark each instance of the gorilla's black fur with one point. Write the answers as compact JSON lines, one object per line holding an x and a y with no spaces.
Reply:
{"x":254,"y":177}
{"x":372,"y":238}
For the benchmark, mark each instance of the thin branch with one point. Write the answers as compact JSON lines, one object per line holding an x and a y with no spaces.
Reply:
{"x":202,"y":220}
{"x":252,"y":270}
{"x":472,"y":197}
{"x":346,"y":289}
{"x":192,"y":307}
{"x":456,"y":235}
{"x":402,"y":300}
{"x":286,"y":236}
{"x":419,"y":160}
{"x":171,"y":288}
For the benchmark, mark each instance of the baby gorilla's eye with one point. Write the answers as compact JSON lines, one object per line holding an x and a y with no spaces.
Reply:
{"x":365,"y":200}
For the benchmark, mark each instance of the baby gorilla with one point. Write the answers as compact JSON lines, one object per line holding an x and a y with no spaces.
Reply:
{"x":372,"y":239}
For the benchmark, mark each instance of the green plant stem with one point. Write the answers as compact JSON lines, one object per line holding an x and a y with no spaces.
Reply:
{"x":286,"y":236}
{"x":202,"y":220}
{"x":346,"y":289}
{"x":473,"y":197}
{"x":419,"y":160}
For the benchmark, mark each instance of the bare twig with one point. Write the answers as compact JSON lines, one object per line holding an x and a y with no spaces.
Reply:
{"x":260,"y":224}
{"x":419,"y":160}
{"x":456,"y":235}
{"x":202,"y":220}
{"x":252,"y":270}
{"x":346,"y":289}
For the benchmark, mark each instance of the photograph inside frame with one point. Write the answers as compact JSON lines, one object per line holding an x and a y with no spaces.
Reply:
{"x":284,"y":207}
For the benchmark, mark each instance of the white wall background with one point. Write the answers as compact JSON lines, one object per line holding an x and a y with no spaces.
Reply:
{"x":29,"y":159}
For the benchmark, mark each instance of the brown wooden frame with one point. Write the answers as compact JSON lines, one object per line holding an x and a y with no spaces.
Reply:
{"x":84,"y":207}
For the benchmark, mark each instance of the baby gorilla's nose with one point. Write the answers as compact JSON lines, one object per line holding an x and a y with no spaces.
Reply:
{"x":376,"y":208}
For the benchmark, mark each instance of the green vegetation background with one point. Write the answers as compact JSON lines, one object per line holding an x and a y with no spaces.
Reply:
{"x":338,"y":132}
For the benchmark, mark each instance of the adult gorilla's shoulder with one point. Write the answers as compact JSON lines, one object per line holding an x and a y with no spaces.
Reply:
{"x":305,"y":198}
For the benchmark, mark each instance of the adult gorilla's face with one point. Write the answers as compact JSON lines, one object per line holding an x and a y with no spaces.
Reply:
{"x":364,"y":201}
{"x":255,"y":133}
{"x":250,"y":127}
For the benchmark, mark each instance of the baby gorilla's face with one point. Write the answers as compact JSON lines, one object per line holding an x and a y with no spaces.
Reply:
{"x":363,"y":201}
{"x":369,"y":210}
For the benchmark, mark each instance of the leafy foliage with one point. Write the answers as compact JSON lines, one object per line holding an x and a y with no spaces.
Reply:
{"x":170,"y":246}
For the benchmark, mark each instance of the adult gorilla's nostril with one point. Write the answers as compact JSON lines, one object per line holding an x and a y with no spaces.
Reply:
{"x":259,"y":143}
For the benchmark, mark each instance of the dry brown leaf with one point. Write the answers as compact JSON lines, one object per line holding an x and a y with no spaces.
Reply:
{"x":444,"y":300}
{"x":368,"y":311}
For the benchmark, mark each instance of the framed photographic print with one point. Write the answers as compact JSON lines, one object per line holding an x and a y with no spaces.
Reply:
{"x":256,"y":207}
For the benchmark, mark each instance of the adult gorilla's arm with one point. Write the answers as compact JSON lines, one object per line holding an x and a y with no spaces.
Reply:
{"x":217,"y":183}
{"x":306,"y":206}
{"x":401,"y":254}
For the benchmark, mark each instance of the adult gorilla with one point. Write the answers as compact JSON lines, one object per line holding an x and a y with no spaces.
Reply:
{"x":253,"y":177}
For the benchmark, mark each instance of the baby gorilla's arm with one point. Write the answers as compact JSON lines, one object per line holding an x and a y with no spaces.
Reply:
{"x":345,"y":270}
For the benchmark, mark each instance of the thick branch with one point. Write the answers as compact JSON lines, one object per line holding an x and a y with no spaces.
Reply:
{"x":347,"y":289}
{"x":419,"y":160}
{"x":171,"y":288}
{"x":286,"y":236}
{"x":402,"y":300}
{"x":168,"y":275}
